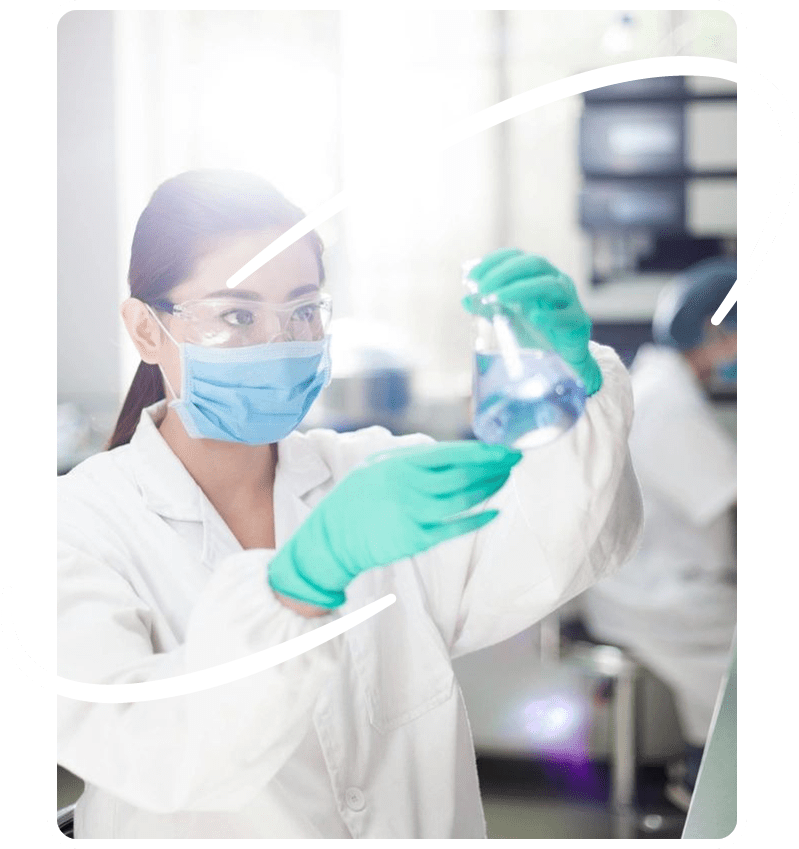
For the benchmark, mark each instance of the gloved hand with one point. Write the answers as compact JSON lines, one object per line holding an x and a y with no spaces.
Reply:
{"x":399,"y":504}
{"x":548,"y":300}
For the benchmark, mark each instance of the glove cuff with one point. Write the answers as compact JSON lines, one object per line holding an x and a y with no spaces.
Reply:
{"x":591,"y":376}
{"x":285,"y":577}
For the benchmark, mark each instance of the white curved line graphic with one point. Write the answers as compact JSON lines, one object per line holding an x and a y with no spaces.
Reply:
{"x":782,"y":191}
{"x":639,"y":69}
{"x":518,"y":105}
{"x":194,"y":682}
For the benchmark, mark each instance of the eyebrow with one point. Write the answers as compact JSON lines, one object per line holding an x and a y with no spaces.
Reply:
{"x":249,"y":295}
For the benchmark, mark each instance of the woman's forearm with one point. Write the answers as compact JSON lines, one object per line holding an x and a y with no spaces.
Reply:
{"x":302,"y":607}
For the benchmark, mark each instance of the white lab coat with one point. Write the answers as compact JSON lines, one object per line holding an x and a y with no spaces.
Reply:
{"x":674,"y":603}
{"x":365,"y":736}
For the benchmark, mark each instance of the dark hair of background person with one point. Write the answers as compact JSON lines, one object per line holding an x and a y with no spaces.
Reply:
{"x":176,"y":228}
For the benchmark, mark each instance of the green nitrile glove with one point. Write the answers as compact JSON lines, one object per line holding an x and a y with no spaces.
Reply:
{"x":401,"y":503}
{"x":548,"y":300}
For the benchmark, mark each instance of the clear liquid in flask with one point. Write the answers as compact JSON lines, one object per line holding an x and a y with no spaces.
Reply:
{"x":530,"y":410}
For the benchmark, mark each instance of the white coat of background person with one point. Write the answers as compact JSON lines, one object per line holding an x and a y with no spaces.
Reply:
{"x":674,"y":603}
{"x":173,"y":543}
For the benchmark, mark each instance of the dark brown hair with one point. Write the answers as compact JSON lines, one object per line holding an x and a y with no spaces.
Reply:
{"x":175,"y":229}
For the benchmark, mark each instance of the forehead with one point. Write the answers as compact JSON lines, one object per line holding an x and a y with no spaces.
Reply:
{"x":292,"y":269}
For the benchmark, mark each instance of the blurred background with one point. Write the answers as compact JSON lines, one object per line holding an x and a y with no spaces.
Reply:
{"x":621,"y":188}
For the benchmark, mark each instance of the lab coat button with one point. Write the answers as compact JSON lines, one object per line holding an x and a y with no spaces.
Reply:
{"x":355,"y":800}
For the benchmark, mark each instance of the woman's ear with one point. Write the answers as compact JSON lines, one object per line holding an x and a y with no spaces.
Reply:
{"x":142,"y":329}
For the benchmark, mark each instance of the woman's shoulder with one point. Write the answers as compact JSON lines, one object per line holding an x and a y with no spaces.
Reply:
{"x":102,"y":483}
{"x":95,"y":467}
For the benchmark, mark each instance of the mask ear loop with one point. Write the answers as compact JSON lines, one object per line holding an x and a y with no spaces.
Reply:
{"x":175,"y":395}
{"x":327,"y":363}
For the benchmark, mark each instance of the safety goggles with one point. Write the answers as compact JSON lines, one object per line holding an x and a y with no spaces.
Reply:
{"x":232,"y":322}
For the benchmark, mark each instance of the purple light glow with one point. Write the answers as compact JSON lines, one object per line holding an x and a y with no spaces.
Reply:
{"x":553,"y":719}
{"x":559,"y":726}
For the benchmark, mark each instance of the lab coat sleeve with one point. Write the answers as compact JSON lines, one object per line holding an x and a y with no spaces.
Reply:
{"x":210,"y":750}
{"x":570,"y":515}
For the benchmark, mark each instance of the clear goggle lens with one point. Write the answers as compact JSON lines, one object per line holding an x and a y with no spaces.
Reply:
{"x":235,"y":322}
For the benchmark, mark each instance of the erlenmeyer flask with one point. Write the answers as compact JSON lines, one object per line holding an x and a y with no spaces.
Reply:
{"x":523,"y":393}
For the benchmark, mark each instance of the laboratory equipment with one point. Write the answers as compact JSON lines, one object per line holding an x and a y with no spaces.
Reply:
{"x":523,"y":395}
{"x":658,"y":160}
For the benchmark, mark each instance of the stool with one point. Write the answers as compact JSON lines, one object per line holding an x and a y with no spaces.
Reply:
{"x":613,"y":663}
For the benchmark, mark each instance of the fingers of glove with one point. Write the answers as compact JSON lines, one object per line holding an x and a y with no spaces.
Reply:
{"x":517,"y":268}
{"x":423,"y":455}
{"x":570,"y":319}
{"x":464,"y":499}
{"x":436,"y":482}
{"x":390,"y":453}
{"x":461,"y":454}
{"x":569,"y":330}
{"x":552,"y":291}
{"x":459,"y":527}
{"x":445,"y":480}
{"x":549,"y":291}
{"x":433,"y":506}
{"x":591,"y":375}
{"x":438,"y":468}
{"x":472,"y":305}
{"x":492,"y":260}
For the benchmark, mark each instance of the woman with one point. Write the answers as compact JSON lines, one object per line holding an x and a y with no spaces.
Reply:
{"x":212,"y":529}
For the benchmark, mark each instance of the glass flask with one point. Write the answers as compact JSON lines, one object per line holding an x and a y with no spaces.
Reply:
{"x":523,"y":393}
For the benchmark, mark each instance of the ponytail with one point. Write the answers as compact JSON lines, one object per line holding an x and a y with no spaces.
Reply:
{"x":146,"y":388}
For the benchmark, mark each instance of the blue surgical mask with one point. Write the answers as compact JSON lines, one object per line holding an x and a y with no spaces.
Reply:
{"x":727,"y":372}
{"x":255,"y":395}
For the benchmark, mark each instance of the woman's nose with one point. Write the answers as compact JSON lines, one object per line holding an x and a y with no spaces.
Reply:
{"x":272,"y":329}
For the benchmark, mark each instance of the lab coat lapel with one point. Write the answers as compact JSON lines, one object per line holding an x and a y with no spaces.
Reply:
{"x":300,"y":471}
{"x":169,"y":490}
{"x":163,"y":481}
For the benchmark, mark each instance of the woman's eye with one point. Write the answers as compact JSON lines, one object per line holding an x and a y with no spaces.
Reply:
{"x":238,"y":317}
{"x":306,"y":313}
